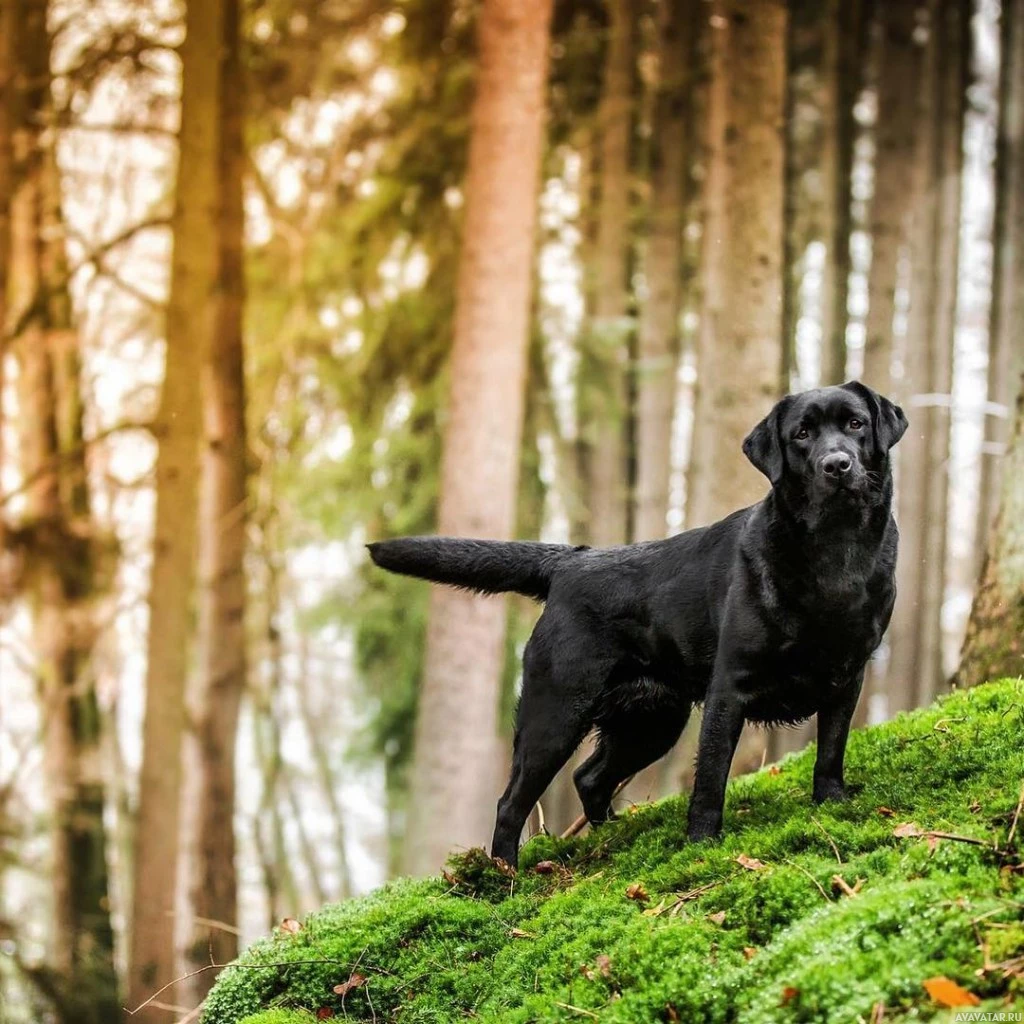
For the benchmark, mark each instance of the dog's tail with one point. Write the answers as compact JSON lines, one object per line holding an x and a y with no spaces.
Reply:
{"x":484,"y":566}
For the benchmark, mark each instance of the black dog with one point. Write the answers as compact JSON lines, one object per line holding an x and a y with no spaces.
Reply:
{"x":767,"y":616}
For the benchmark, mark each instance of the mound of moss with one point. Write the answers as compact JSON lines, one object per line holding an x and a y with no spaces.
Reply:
{"x":834,"y":913}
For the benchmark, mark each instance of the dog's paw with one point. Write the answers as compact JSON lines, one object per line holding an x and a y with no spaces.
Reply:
{"x":702,"y":829}
{"x":830,"y":789}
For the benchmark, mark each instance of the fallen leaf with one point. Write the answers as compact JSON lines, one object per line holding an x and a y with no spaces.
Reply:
{"x":774,"y":770}
{"x":877,"y":1013}
{"x":718,"y":917}
{"x":750,"y":863}
{"x":355,"y":979}
{"x":788,"y":995}
{"x":974,"y":807}
{"x":546,"y":867}
{"x":518,"y":933}
{"x":637,"y":892}
{"x":603,"y":963}
{"x":886,"y":812}
{"x":908,"y":830}
{"x":671,"y":1014}
{"x":933,"y":842}
{"x":324,"y":1013}
{"x":656,"y":911}
{"x":291,"y":926}
{"x":449,"y":877}
{"x":949,"y":993}
{"x":587,"y":972}
{"x":749,"y":952}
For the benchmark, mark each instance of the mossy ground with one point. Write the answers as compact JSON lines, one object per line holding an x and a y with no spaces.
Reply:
{"x":714,"y":940}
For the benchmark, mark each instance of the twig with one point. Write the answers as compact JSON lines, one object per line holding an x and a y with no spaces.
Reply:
{"x":577,"y":826}
{"x":794,"y":864}
{"x":1016,"y":817}
{"x":578,"y":1009}
{"x":831,"y":842}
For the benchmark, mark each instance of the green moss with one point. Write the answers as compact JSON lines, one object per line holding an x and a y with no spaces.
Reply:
{"x":713,"y":940}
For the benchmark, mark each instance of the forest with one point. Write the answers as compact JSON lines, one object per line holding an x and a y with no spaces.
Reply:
{"x":284,"y":277}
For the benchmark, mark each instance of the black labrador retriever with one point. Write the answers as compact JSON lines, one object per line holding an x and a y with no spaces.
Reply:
{"x":767,"y":616}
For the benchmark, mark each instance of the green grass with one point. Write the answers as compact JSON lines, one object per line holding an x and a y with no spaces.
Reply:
{"x":714,"y":941}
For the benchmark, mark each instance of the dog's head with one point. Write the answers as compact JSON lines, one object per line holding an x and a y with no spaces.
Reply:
{"x":828,"y":447}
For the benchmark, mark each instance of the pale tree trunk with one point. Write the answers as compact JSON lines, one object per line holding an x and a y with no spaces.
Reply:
{"x":899,"y":85}
{"x":1005,"y":351}
{"x":701,"y":468}
{"x":67,"y":559}
{"x":658,"y":333}
{"x":221,"y":640}
{"x":915,"y":667}
{"x":743,"y":370}
{"x":454,"y":782}
{"x":994,"y":644}
{"x":603,"y":392}
{"x":190,"y":329}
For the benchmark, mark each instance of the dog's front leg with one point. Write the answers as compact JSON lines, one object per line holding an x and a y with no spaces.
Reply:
{"x":719,"y":734}
{"x":833,"y":731}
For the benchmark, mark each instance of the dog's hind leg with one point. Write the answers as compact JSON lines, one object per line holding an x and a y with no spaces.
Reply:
{"x":628,"y":743}
{"x":553,"y":718}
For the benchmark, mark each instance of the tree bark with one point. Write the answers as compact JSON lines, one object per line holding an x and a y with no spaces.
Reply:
{"x":658,"y":334}
{"x":900,"y":69}
{"x":67,"y":559}
{"x":453,"y":777}
{"x":994,"y":644}
{"x":915,"y":672}
{"x":221,"y":674}
{"x":1005,"y":353}
{"x":602,"y":386}
{"x":190,"y":329}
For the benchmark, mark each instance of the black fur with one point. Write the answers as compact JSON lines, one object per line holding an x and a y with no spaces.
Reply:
{"x":767,"y":616}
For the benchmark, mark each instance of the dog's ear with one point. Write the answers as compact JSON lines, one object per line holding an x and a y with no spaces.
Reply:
{"x":763,"y":445}
{"x":887,"y":418}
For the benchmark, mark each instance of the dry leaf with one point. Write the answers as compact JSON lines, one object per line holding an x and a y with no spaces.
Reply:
{"x":637,"y":892}
{"x":355,"y":979}
{"x":291,"y":926}
{"x":774,"y":770}
{"x":546,"y":867}
{"x":750,"y":863}
{"x":324,"y":1013}
{"x":749,"y":952}
{"x":974,"y":807}
{"x":656,"y":911}
{"x":518,"y":933}
{"x":718,"y":917}
{"x":908,"y":830}
{"x":788,"y":995}
{"x":671,"y":1014}
{"x":886,"y":812}
{"x":603,"y":963}
{"x":587,"y":972}
{"x":949,"y":993}
{"x":449,"y":877}
{"x":877,"y":1013}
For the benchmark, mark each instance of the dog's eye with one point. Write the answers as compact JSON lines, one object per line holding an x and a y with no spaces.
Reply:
{"x":801,"y":434}
{"x":855,"y":424}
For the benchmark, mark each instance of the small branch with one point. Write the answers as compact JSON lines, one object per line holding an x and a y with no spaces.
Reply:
{"x":793,"y":863}
{"x":1016,"y":817}
{"x":579,"y":1010}
{"x":831,"y":842}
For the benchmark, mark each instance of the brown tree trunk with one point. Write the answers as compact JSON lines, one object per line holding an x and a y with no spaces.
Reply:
{"x":190,"y":328}
{"x":915,"y":668}
{"x":454,"y":784}
{"x":603,"y":392}
{"x":994,"y":644}
{"x":221,"y":640}
{"x":68,"y":562}
{"x":658,"y":334}
{"x":1005,"y":352}
{"x":900,"y":70}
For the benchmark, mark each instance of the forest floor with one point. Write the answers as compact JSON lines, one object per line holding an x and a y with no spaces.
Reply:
{"x":905,"y":903}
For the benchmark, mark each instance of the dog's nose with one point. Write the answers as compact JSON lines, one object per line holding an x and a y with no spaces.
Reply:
{"x":836,"y":464}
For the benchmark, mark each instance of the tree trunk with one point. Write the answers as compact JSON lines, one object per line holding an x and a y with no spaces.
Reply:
{"x":915,"y":668}
{"x":8,"y":27}
{"x":658,"y":336}
{"x":1007,"y":308}
{"x":453,"y":777}
{"x":67,"y":567}
{"x":603,"y":391}
{"x":891,"y":206}
{"x":994,"y":644}
{"x":190,"y":329}
{"x":221,"y":675}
